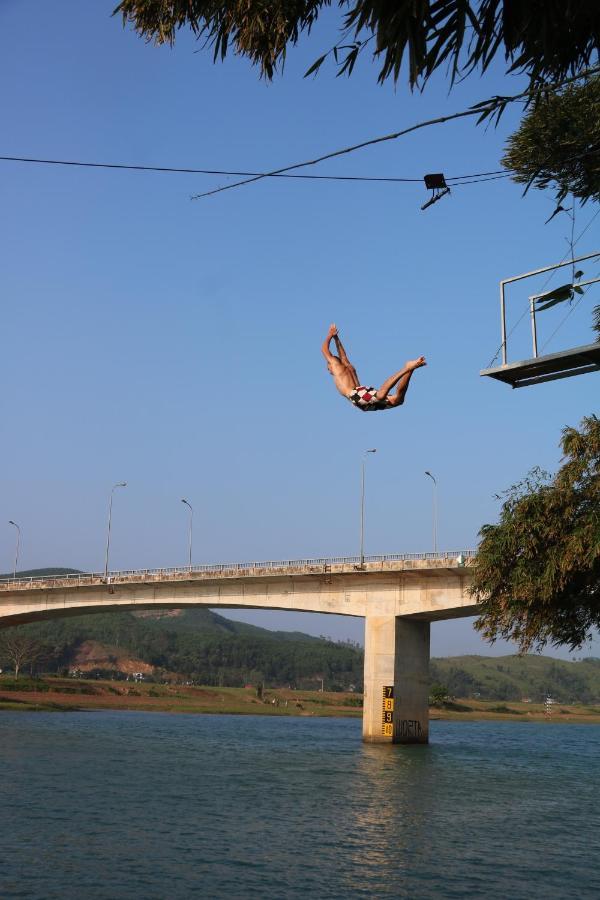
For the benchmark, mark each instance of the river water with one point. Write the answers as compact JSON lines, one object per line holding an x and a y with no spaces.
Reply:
{"x":113,"y":805}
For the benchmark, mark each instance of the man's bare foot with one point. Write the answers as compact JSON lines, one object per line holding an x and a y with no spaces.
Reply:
{"x":415,"y":363}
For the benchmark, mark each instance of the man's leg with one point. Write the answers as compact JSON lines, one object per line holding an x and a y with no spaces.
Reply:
{"x":397,"y":399}
{"x":402,"y":379}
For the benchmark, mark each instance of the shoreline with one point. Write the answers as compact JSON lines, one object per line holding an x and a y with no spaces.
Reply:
{"x":79,"y":695}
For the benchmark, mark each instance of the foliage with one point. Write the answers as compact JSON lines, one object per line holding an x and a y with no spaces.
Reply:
{"x":546,"y":39}
{"x":558,"y":142}
{"x":596,"y":322}
{"x":20,"y":649}
{"x":438,"y":694}
{"x":537,"y":572}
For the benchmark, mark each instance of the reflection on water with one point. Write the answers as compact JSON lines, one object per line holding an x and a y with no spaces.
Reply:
{"x":115,"y":805}
{"x":381,"y":797}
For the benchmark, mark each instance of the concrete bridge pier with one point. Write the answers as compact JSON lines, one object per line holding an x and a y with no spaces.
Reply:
{"x":396,"y":708}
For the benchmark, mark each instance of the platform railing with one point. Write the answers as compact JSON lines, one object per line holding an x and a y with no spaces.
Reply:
{"x":534,"y":297}
{"x":319,"y":563}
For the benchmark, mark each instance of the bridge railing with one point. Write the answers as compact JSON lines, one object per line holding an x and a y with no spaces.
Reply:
{"x":218,"y":568}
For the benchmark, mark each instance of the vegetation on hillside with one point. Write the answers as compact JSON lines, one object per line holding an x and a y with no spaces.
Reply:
{"x":516,"y":677}
{"x":204,"y":647}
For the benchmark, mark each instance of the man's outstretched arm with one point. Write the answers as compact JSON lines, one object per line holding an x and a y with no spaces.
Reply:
{"x":325,"y":347}
{"x":340,"y":349}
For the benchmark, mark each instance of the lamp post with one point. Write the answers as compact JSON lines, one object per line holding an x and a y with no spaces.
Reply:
{"x":17,"y":547}
{"x":112,"y":490}
{"x":362,"y":507}
{"x":191,"y":509}
{"x":435,"y":511}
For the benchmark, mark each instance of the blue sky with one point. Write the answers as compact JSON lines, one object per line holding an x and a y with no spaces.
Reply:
{"x":174,"y":344}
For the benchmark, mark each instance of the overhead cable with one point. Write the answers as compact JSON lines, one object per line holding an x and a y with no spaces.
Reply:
{"x":479,"y":109}
{"x":190,"y":171}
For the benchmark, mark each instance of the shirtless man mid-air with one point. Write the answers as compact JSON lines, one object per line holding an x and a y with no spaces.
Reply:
{"x":346,"y":380}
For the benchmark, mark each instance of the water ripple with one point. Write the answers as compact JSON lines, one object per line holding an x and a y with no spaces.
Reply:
{"x":131,"y":805}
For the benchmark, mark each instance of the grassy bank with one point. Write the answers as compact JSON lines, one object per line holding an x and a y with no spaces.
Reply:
{"x":64,"y":694}
{"x":78,"y":694}
{"x":516,"y":711}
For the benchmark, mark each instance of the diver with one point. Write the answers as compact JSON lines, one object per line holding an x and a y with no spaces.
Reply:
{"x":367,"y":399}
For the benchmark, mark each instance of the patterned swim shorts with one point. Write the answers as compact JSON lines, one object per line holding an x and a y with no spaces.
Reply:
{"x":365,"y":399}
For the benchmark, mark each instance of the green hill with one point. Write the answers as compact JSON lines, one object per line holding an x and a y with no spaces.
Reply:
{"x":518,"y":677}
{"x":204,"y":647}
{"x":202,"y":619}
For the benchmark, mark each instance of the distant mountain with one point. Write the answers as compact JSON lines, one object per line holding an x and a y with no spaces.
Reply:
{"x":203,"y":619}
{"x":43,"y":573}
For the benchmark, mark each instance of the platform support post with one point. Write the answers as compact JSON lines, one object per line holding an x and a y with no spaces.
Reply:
{"x":503,"y":322}
{"x":533,"y":326}
{"x":396,"y":677}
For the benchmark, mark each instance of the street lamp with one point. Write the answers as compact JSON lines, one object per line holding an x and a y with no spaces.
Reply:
{"x":112,"y":490}
{"x":191,"y":509}
{"x":435,"y":511}
{"x":362,"y":507}
{"x":17,"y":547}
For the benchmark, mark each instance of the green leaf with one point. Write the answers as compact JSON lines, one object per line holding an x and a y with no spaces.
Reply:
{"x":558,"y":210}
{"x":316,"y":65}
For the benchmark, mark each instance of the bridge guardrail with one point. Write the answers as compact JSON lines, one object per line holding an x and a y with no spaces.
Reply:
{"x":79,"y":577}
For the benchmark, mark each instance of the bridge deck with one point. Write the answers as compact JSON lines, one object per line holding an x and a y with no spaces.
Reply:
{"x":432,"y":586}
{"x":339,"y":565}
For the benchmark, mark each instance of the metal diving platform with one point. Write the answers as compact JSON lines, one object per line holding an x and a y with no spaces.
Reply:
{"x":549,"y":367}
{"x":577,"y":361}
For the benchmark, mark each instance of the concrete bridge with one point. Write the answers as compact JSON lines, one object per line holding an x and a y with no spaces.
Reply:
{"x":398,"y":596}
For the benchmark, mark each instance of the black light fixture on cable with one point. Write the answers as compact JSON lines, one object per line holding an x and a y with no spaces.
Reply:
{"x":437,"y":184}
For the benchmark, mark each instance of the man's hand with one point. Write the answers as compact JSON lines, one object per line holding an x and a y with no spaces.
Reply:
{"x":332,"y":330}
